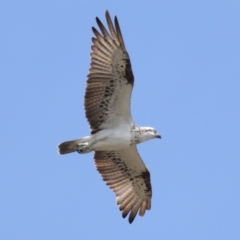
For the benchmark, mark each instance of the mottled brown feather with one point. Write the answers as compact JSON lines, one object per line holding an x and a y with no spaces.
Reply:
{"x":110,"y":79}
{"x":126,"y":174}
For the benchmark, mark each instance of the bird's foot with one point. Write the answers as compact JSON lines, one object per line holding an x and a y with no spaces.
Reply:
{"x":83,"y":148}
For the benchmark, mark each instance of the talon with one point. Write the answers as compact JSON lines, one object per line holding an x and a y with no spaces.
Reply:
{"x":83,"y":148}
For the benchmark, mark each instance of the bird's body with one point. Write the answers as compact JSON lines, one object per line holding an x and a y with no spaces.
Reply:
{"x":114,"y":134}
{"x":113,"y":139}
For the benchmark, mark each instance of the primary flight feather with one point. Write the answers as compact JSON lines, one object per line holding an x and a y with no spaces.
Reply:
{"x":114,"y":134}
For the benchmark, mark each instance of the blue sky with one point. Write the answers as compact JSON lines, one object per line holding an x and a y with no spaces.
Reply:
{"x":186,"y":61}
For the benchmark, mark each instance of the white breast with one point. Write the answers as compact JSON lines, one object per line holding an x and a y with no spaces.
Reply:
{"x":113,"y":139}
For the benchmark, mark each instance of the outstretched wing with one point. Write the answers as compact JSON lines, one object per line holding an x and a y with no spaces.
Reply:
{"x":126,"y":174}
{"x":110,"y":81}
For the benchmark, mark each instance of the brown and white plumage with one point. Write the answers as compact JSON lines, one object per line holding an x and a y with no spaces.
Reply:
{"x":114,"y":134}
{"x":110,"y":81}
{"x":126,"y":174}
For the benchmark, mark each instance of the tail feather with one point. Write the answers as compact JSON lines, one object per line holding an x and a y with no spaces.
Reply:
{"x":71,"y":146}
{"x":67,"y":147}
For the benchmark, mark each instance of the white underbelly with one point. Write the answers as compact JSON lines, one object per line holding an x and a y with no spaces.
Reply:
{"x":112,"y":140}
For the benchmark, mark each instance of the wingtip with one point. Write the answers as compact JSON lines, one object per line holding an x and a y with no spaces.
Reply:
{"x":130,"y":220}
{"x":97,"y":19}
{"x":107,"y":14}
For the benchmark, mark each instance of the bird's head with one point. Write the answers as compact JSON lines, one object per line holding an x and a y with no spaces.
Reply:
{"x":148,"y":133}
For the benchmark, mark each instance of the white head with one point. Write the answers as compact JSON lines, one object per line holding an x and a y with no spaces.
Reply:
{"x":147,"y":133}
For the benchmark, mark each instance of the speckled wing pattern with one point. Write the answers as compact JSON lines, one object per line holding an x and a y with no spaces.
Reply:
{"x":110,"y":79}
{"x":126,"y":174}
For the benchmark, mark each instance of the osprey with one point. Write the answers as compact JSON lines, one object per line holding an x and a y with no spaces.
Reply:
{"x":114,"y":134}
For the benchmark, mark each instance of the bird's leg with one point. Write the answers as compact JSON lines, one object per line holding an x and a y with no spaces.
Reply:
{"x":83,"y":148}
{"x":86,"y":147}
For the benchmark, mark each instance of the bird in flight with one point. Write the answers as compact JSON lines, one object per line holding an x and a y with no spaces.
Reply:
{"x":114,"y":134}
